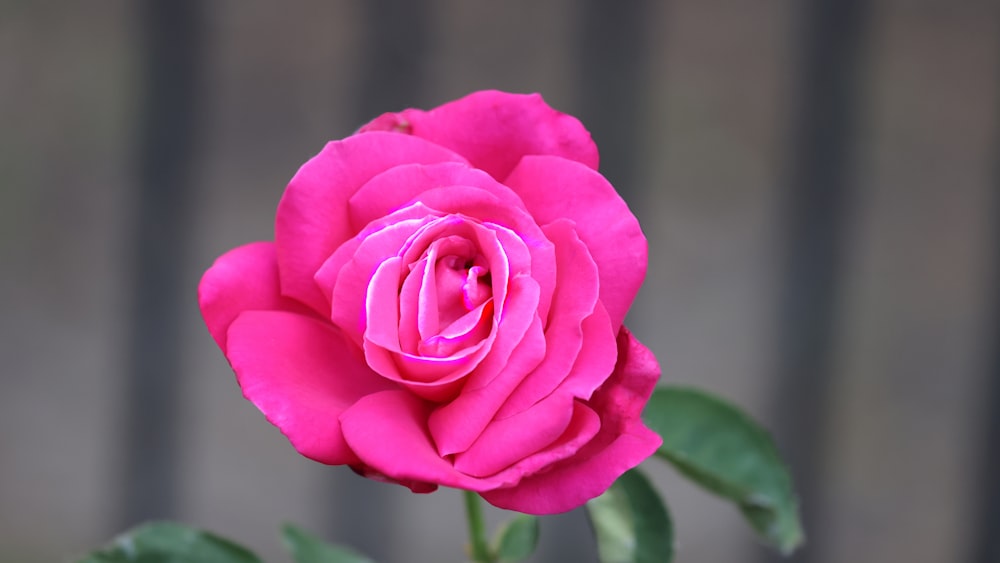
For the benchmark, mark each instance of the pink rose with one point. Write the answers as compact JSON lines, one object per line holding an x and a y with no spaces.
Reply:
{"x":443,"y":304}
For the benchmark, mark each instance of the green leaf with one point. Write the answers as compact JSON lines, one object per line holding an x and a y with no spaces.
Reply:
{"x":169,"y":542}
{"x":517,"y":538}
{"x":307,"y":548}
{"x":717,"y":446}
{"x":631,"y":524}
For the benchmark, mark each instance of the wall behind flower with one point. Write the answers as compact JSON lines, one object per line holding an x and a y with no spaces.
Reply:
{"x":697,"y":107}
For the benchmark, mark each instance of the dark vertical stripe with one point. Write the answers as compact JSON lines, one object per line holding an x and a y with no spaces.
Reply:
{"x":986,"y":486}
{"x":171,"y":45}
{"x":831,"y":38}
{"x":612,"y":51}
{"x":985,"y":544}
{"x":392,"y":51}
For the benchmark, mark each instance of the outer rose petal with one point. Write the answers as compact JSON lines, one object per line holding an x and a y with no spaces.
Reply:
{"x":243,"y":279}
{"x":622,"y":443}
{"x":555,"y":188}
{"x":312,"y":218}
{"x":583,"y":426}
{"x":505,"y":442}
{"x":301,"y":373}
{"x":493,"y":130}
{"x":389,"y":433}
{"x":397,"y":187}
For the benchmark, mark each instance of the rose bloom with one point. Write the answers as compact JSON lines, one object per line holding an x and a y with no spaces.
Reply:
{"x":442,"y":305}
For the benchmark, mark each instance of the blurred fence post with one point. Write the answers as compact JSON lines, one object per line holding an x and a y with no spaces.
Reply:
{"x":171,"y":36}
{"x":393,"y":50}
{"x":831,"y":39}
{"x":612,"y":51}
{"x":985,"y":545}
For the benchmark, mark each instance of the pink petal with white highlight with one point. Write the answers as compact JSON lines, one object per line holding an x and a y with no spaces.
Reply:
{"x":312,"y":218}
{"x":382,"y":346}
{"x":517,"y":229}
{"x":350,"y":291}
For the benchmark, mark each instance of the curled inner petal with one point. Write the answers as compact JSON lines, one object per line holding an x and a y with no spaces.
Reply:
{"x":445,"y":301}
{"x":434,"y":310}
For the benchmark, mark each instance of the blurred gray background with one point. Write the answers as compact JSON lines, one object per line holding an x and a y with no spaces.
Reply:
{"x":818,"y":180}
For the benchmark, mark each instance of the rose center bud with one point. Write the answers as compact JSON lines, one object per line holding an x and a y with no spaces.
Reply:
{"x":462,"y":286}
{"x":455,"y":306}
{"x":454,"y":297}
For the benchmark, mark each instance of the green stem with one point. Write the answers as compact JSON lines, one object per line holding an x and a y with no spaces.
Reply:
{"x":477,"y":531}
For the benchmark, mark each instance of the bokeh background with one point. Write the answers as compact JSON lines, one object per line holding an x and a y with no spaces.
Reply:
{"x":818,"y":180}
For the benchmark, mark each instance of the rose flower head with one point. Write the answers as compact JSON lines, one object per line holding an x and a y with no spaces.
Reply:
{"x":442,"y":305}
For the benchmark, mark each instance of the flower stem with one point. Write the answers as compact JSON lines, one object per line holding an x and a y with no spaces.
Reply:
{"x":477,"y":532}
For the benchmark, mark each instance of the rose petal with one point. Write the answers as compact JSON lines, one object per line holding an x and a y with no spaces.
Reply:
{"x":597,"y":358}
{"x":583,"y":426}
{"x":456,"y":425}
{"x":555,"y":188}
{"x":427,"y":308}
{"x":439,"y":390}
{"x":622,"y":443}
{"x":504,"y":442}
{"x":574,"y":301}
{"x":409,"y":314}
{"x":575,"y":481}
{"x":404,"y":184}
{"x":387,"y":358}
{"x":623,"y":396}
{"x":513,"y":225}
{"x":383,"y":336}
{"x":586,"y":369}
{"x":301,"y":373}
{"x":388,"y":431}
{"x":576,"y":275}
{"x":350,"y":291}
{"x":419,"y":487}
{"x":493,"y":130}
{"x":326,"y":277}
{"x":312,"y":218}
{"x":243,"y":279}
